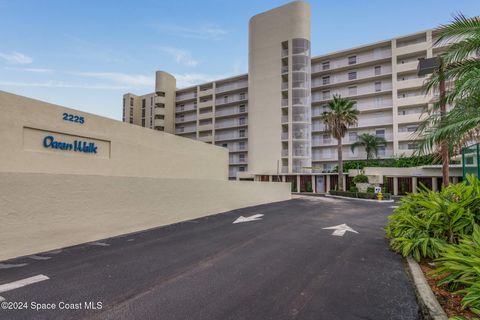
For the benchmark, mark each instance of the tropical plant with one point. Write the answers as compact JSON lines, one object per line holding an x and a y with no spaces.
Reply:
{"x":427,"y":221}
{"x":360,"y":178}
{"x":342,"y":115}
{"x":459,"y":268}
{"x":371,"y":143}
{"x":458,"y":79}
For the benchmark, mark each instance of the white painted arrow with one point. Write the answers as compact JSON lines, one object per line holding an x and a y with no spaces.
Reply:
{"x":255,"y":217}
{"x":340,"y":230}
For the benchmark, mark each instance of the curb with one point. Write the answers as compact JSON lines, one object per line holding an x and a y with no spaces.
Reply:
{"x":431,"y":309}
{"x":359,"y":199}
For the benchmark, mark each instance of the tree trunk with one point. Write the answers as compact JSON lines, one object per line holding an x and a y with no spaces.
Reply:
{"x":444,"y":144}
{"x":340,"y":165}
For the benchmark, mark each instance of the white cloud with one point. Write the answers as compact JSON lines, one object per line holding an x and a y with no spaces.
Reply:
{"x":16,"y":58}
{"x":35,"y":70}
{"x":180,"y":56}
{"x":123,"y":78}
{"x":206,"y":32}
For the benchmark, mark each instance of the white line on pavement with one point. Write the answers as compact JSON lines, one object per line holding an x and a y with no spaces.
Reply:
{"x":101,"y":244}
{"x":2,"y":299}
{"x":8,"y":266}
{"x":21,"y":283}
{"x":394,"y":207}
{"x":35,"y":257}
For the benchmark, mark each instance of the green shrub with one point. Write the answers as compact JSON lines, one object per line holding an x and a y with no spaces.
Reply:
{"x":427,"y":221}
{"x":353,"y":189}
{"x":360,"y":178}
{"x":361,"y":195}
{"x":459,"y":267}
{"x":402,"y":162}
{"x":309,"y":186}
{"x":370,"y":189}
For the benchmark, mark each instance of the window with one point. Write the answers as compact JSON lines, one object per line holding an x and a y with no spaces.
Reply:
{"x":352,"y":91}
{"x":181,"y":118}
{"x":352,"y":60}
{"x":352,"y":136}
{"x":412,"y":146}
{"x":131,"y":102}
{"x":378,"y":70}
{"x":131,"y":120}
{"x":241,"y":121}
{"x":380,"y":133}
{"x":241,"y":145}
{"x":143,"y":103}
{"x":143,"y":122}
{"x":241,"y":169}
{"x":241,"y":133}
{"x":381,"y":151}
{"x":378,"y":86}
{"x":124,"y":102}
{"x":326,"y":80}
{"x":225,"y":99}
{"x":242,"y":96}
{"x":241,"y":157}
{"x":225,"y":145}
{"x":326,"y":138}
{"x":352,"y":75}
{"x":160,"y":93}
{"x":131,"y":112}
{"x":143,"y":112}
{"x":326,"y":94}
{"x":326,"y":65}
{"x":411,"y":128}
{"x":151,"y":100}
{"x":241,"y":108}
{"x":181,"y":129}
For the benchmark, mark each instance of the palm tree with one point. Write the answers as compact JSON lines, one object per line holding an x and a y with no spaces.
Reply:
{"x":460,"y":70}
{"x":370,"y":142}
{"x":342,"y":115}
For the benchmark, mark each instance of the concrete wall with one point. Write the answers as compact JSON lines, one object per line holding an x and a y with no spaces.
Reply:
{"x":122,"y":149}
{"x":41,"y":212}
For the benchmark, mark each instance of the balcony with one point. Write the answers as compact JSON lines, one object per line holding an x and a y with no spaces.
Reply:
{"x":284,"y":53}
{"x":362,"y":59}
{"x":409,"y":49}
{"x":205,"y":115}
{"x":410,"y":84}
{"x":230,"y":136}
{"x":361,"y":76}
{"x":412,"y":118}
{"x":186,"y":96}
{"x":186,"y":119}
{"x":406,"y":136}
{"x":284,"y":135}
{"x":205,"y":104}
{"x":186,"y":108}
{"x":284,"y":152}
{"x":159,"y":122}
{"x":206,"y":138}
{"x":205,"y":127}
{"x":205,"y":92}
{"x":318,"y":127}
{"x":186,"y":130}
{"x":375,"y":121}
{"x":413,"y":100}
{"x":230,"y":124}
{"x":407,"y":67}
{"x":232,"y":87}
{"x":159,"y":111}
{"x":159,"y":100}
{"x":229,"y":112}
{"x":284,"y":103}
{"x":222,"y":101}
{"x":238,"y":160}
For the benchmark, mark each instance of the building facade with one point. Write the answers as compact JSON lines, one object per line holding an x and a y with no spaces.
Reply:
{"x":269,"y":119}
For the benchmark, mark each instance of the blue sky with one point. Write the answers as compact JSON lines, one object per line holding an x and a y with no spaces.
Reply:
{"x":86,"y":54}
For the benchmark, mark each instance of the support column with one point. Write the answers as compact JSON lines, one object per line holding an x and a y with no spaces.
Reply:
{"x":395,"y":186}
{"x":327,"y":188}
{"x":414,"y":184}
{"x":270,"y":179}
{"x":314,"y":185}
{"x":283,"y":178}
{"x":344,"y":178}
{"x":298,"y":183}
{"x":454,"y":180}
{"x":434,"y":184}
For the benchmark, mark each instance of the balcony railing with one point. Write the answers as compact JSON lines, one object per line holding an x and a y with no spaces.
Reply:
{"x":221,"y":101}
{"x":231,"y":111}
{"x":229,"y":124}
{"x":231,"y":87}
{"x":231,"y":135}
{"x":186,"y":96}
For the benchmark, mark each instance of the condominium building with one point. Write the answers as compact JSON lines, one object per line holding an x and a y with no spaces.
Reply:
{"x":269,"y":119}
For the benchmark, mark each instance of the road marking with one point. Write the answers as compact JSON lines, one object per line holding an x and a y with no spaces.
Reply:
{"x":22,"y":283}
{"x":35,"y":257}
{"x":394,"y":207}
{"x":100,"y":244}
{"x":2,"y":299}
{"x":340,"y":230}
{"x":8,"y":266}
{"x":255,"y":217}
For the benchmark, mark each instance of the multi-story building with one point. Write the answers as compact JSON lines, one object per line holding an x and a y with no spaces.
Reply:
{"x":269,"y":119}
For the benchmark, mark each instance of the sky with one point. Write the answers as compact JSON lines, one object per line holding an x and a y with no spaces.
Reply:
{"x":85,"y":54}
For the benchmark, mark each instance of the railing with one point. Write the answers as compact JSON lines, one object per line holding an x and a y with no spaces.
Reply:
{"x":220,"y":125}
{"x":361,"y":58}
{"x":284,"y":85}
{"x":284,"y":102}
{"x":189,"y":107}
{"x":284,"y":69}
{"x":284,"y":152}
{"x":227,"y":112}
{"x":284,"y":53}
{"x":343,"y":78}
{"x":232,"y":135}
{"x":221,"y":101}
{"x":234,"y":86}
{"x":186,"y":130}
{"x":185,"y":119}
{"x":284,"y":135}
{"x":186,"y":96}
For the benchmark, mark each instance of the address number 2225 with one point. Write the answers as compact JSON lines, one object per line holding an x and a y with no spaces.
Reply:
{"x":73,"y":118}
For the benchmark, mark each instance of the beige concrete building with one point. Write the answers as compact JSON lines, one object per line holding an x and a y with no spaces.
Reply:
{"x":269,"y":119}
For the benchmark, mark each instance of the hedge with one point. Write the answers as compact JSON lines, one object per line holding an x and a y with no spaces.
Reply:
{"x":360,"y":195}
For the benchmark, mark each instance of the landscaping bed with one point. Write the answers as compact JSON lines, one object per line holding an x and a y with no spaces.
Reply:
{"x":451,"y":303}
{"x":360,"y":195}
